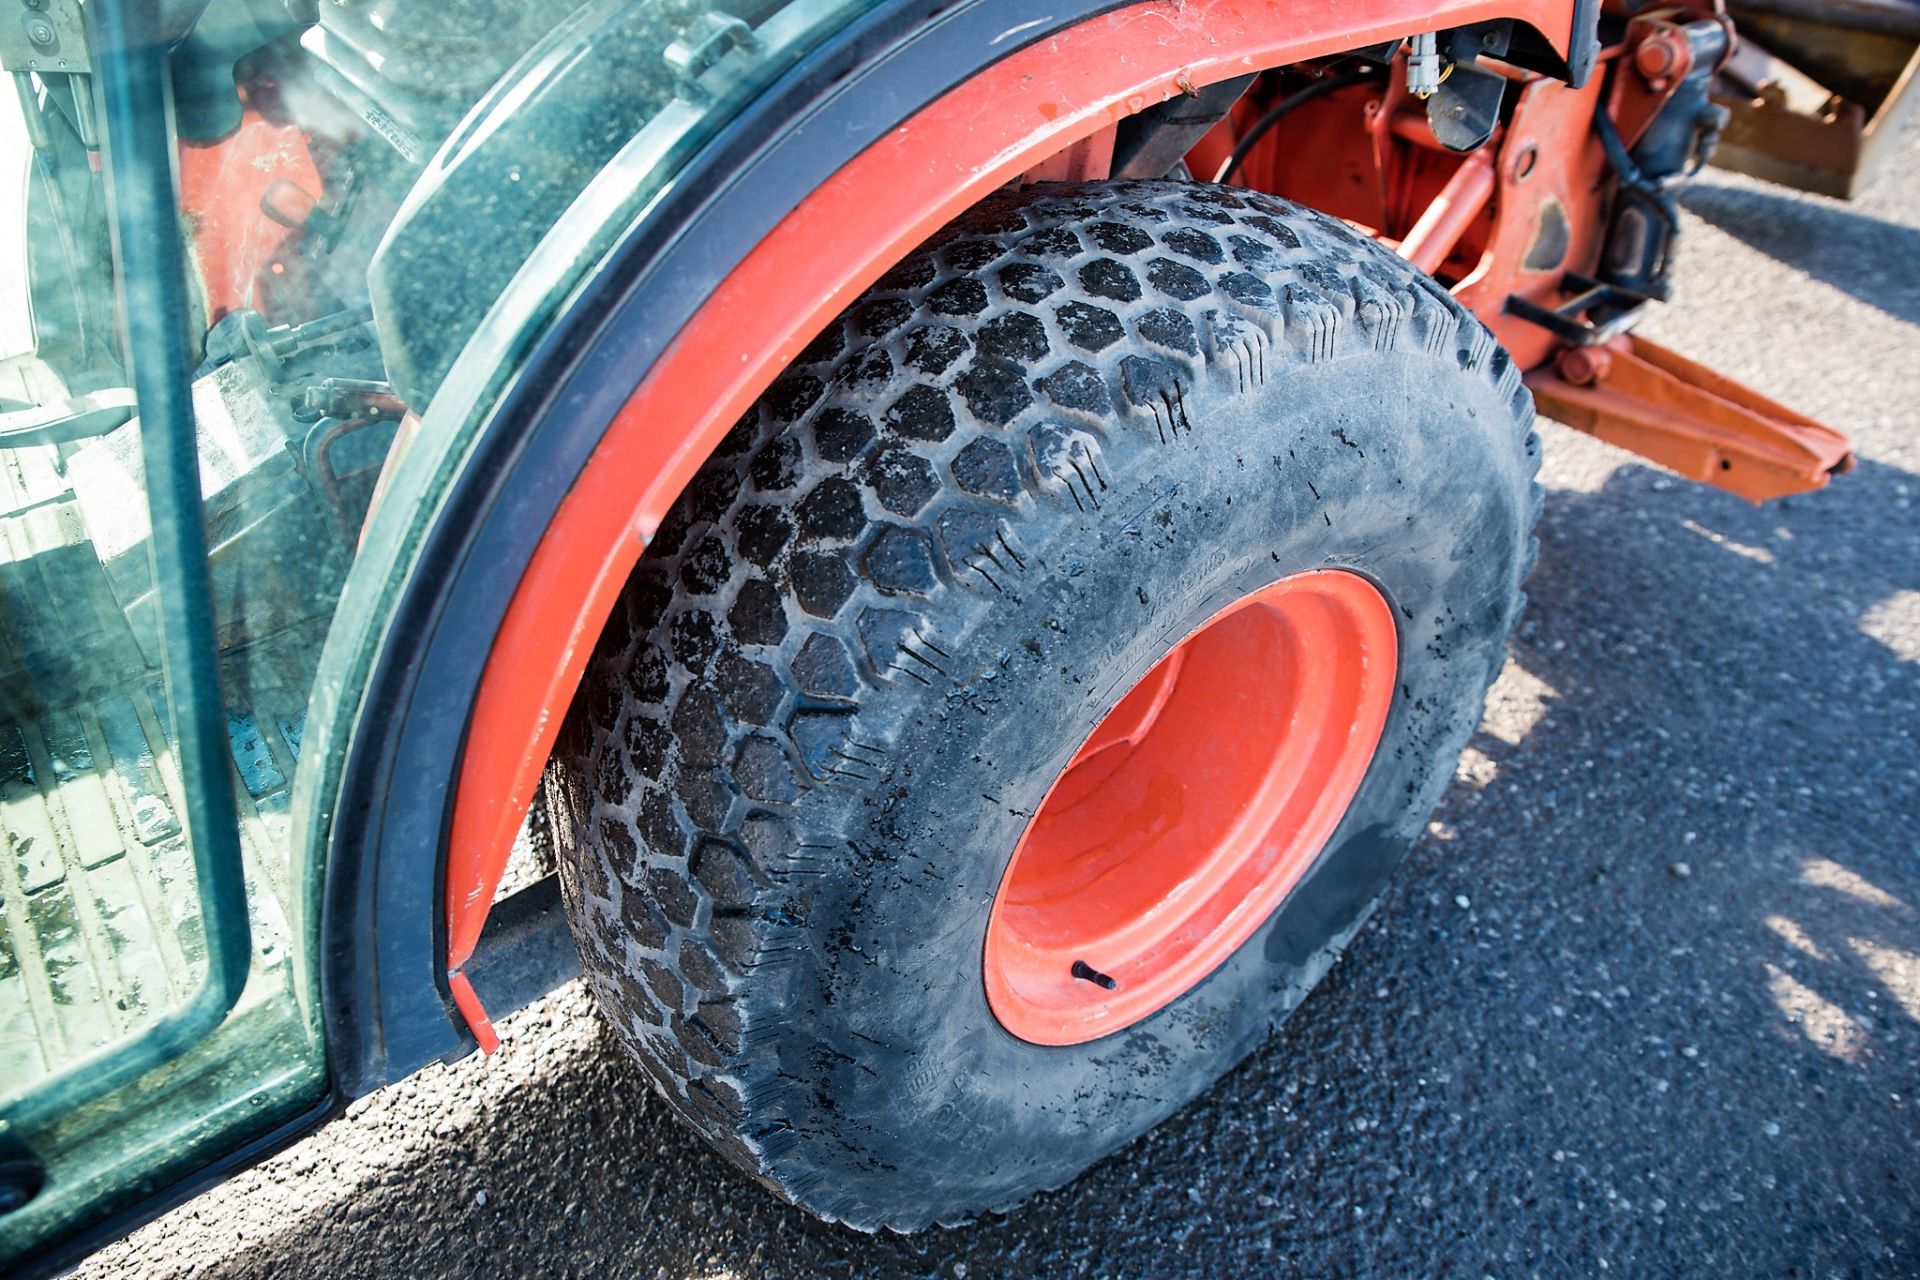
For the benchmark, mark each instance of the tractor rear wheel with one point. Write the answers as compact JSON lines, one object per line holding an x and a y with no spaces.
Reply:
{"x":1015,"y":718}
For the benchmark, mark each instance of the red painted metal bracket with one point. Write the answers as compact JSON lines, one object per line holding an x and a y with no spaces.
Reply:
{"x":1643,"y":397}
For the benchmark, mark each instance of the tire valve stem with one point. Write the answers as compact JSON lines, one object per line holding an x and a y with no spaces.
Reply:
{"x":1087,"y":973}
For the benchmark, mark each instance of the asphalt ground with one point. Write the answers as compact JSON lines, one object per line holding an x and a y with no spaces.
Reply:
{"x":1644,"y":1002}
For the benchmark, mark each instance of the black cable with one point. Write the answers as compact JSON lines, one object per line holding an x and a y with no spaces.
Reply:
{"x":1281,"y":109}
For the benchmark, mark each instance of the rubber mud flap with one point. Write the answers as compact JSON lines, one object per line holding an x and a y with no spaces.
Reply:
{"x":979,"y":507}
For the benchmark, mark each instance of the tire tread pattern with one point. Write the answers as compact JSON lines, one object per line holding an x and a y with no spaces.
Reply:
{"x":869,"y":510}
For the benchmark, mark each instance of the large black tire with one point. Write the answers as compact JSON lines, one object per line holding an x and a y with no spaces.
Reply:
{"x":1040,"y":451}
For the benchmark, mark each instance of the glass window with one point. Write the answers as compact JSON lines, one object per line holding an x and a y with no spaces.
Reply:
{"x":356,"y":182}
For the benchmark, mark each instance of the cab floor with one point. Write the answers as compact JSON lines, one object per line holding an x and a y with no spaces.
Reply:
{"x":100,"y":927}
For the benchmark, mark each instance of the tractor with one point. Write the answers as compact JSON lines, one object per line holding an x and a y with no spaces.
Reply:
{"x":939,"y":552}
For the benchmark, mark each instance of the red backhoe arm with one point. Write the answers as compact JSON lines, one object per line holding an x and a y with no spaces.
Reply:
{"x":1637,"y":394}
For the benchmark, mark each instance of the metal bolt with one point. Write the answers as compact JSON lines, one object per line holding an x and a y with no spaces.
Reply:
{"x":1657,"y":58}
{"x":1584,"y":366}
{"x":40,"y":31}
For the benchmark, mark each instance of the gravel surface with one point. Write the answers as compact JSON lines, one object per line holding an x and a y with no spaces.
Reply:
{"x":1645,"y":1002}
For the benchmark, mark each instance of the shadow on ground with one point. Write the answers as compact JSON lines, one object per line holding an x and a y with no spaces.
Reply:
{"x":1872,"y":259}
{"x":1672,"y":1030}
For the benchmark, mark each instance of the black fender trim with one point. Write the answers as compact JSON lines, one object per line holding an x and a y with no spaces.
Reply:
{"x":386,"y":1006}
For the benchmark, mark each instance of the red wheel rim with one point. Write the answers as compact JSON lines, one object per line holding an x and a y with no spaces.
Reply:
{"x":1192,"y":809}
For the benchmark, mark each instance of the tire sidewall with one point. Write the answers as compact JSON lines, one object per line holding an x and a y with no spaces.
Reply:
{"x":1417,"y":486}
